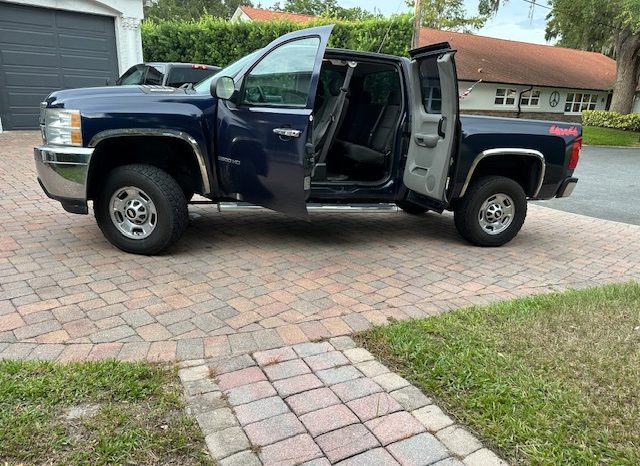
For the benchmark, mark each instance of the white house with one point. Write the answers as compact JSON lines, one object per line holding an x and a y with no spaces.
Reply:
{"x":530,"y":80}
{"x":54,"y":44}
{"x":511,"y":78}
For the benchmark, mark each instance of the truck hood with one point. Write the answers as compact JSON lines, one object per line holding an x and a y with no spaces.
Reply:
{"x":130,"y":107}
{"x":79,"y":97}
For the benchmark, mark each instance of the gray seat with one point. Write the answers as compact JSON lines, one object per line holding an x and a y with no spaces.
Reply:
{"x":324,"y":115}
{"x":382,"y":135}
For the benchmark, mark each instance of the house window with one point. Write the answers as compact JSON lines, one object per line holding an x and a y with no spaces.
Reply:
{"x":576,"y":103}
{"x":505,"y":97}
{"x":430,"y":86}
{"x":432,"y":97}
{"x":530,"y":99}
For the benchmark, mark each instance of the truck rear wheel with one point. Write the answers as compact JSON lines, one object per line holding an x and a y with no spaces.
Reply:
{"x":492,"y":211}
{"x":141,"y":209}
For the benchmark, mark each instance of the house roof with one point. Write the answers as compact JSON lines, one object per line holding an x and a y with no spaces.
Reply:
{"x":502,"y":61}
{"x":258,"y":14}
{"x":507,"y":61}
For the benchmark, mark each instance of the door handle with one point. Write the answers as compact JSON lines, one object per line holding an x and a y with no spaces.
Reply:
{"x":426,"y":140}
{"x":287,"y":132}
{"x":442,"y":127}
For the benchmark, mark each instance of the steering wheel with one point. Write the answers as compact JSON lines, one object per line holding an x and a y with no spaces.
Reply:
{"x":256,"y":91}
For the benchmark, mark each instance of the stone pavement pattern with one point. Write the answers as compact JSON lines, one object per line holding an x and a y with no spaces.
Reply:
{"x":242,"y":282}
{"x":321,"y":403}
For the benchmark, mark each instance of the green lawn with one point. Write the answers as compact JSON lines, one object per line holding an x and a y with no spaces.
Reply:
{"x":553,"y":379}
{"x":609,"y":137}
{"x":132,"y":414}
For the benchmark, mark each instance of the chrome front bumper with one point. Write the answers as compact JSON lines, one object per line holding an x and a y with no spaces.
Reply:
{"x":62,"y":173}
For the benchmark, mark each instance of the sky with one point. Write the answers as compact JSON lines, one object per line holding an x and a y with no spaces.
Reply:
{"x":511,"y":22}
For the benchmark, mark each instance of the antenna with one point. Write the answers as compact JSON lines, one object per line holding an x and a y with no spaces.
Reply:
{"x":386,"y":34}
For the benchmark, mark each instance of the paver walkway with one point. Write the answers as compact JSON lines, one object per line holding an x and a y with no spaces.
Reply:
{"x":242,"y":282}
{"x":318,"y":404}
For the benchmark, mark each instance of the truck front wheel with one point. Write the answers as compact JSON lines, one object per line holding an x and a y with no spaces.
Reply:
{"x":141,"y":209}
{"x":492,"y":211}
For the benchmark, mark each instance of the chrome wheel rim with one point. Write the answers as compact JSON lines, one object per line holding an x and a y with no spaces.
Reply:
{"x":496,"y":214}
{"x":133,"y":212}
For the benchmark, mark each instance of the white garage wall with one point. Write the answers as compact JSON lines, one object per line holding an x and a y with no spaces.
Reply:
{"x":126,"y":13}
{"x":636,"y":104}
{"x":483,"y":95}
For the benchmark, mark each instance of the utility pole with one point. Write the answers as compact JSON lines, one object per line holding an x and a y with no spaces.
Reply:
{"x":417,"y":25}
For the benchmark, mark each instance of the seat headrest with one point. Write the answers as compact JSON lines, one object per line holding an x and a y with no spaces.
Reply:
{"x":335,"y":85}
{"x":394,"y":97}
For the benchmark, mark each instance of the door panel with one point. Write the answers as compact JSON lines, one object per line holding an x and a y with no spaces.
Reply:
{"x":263,"y":140}
{"x":434,"y":87}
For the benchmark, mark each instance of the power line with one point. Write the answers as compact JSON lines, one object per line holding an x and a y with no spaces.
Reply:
{"x":534,"y":3}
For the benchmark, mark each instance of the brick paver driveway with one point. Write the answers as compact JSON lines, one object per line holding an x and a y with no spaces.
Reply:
{"x":241,"y":282}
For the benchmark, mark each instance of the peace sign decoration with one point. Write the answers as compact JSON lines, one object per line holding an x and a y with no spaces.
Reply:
{"x":554,"y":99}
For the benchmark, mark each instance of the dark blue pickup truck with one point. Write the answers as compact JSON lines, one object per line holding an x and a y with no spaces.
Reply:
{"x":295,"y":125}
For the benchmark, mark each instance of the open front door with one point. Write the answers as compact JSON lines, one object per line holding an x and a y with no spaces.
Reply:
{"x":263,"y":137}
{"x":434,"y":121}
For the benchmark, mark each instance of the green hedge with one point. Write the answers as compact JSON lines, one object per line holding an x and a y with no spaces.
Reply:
{"x":220,"y":42}
{"x":604,"y":119}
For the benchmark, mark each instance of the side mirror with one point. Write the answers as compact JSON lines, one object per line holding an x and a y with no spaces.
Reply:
{"x":222,"y":87}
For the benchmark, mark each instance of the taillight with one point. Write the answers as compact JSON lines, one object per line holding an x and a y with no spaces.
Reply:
{"x":575,"y":154}
{"x":200,"y":67}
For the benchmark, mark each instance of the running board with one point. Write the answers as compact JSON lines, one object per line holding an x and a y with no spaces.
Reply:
{"x":356,"y":208}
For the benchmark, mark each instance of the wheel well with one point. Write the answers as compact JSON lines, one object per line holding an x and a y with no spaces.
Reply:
{"x":170,"y":154}
{"x":524,"y":170}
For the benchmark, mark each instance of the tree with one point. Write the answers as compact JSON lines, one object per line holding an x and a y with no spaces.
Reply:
{"x":327,"y":8}
{"x":191,"y":9}
{"x":611,"y":26}
{"x":449,"y":15}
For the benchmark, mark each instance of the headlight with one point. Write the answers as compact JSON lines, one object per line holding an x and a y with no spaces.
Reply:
{"x":62,"y":127}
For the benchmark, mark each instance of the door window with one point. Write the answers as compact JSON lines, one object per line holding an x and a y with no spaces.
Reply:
{"x":181,"y":75}
{"x":283,"y":77}
{"x":430,"y":87}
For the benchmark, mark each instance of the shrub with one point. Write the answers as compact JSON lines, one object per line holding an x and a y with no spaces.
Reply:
{"x":220,"y":42}
{"x":604,"y":119}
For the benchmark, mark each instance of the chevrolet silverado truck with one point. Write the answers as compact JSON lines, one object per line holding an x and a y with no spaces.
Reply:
{"x":297,"y":125}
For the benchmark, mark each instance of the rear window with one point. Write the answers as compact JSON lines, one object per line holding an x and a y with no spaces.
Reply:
{"x":179,"y":76}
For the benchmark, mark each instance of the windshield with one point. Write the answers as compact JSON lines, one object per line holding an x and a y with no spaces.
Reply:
{"x":232,"y":70}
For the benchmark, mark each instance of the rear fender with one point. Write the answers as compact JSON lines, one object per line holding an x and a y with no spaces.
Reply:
{"x":486,"y":155}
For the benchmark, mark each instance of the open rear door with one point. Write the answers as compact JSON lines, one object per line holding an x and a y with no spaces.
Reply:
{"x":263,"y":137}
{"x":434,"y":121}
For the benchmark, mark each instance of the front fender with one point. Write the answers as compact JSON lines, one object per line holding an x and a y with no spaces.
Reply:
{"x":198,"y":151}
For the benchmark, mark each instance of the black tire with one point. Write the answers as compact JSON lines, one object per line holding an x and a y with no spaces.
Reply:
{"x":411,"y":208}
{"x":467,"y":213}
{"x":171,"y":215}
